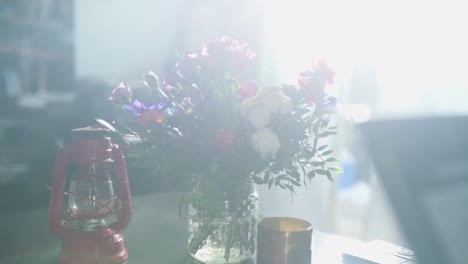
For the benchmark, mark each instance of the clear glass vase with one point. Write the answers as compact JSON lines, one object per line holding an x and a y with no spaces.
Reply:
{"x":223,"y":231}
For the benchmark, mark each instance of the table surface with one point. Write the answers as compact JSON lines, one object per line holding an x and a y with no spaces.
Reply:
{"x":157,"y":234}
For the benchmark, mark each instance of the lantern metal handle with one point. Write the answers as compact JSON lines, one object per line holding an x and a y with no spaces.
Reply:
{"x":124,"y":213}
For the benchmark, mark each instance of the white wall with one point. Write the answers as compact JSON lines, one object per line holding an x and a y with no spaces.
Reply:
{"x":121,"y":39}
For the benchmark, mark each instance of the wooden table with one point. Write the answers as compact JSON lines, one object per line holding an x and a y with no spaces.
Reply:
{"x":156,"y":235}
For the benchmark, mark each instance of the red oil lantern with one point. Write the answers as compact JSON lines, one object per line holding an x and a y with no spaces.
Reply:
{"x":90,"y":201}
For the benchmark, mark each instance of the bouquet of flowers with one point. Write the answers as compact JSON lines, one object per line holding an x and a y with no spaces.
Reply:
{"x":202,"y":119}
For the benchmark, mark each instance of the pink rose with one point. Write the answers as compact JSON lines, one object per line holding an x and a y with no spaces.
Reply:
{"x":226,"y":54}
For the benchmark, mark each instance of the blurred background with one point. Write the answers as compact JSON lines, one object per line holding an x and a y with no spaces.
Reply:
{"x":60,"y":59}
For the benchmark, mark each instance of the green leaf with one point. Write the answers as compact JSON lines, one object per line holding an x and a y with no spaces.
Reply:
{"x":266,"y":177}
{"x":294,"y":174}
{"x":135,"y":155}
{"x":257,"y":180}
{"x":322,"y":147}
{"x":332,"y":159}
{"x":329,"y":176}
{"x":328,"y":152}
{"x":335,"y":169}
{"x":316,"y":126}
{"x":311,"y":174}
{"x":321,"y":171}
{"x":333,"y":127}
{"x":317,"y":163}
{"x":270,"y":183}
{"x":290,"y":187}
{"x":294,"y":182}
{"x":282,"y":176}
{"x":308,"y":152}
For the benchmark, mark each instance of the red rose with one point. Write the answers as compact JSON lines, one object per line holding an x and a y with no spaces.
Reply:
{"x":325,"y":73}
{"x":224,"y":140}
{"x":150,"y":117}
{"x":312,"y":83}
{"x":246,"y":90}
{"x":310,"y":87}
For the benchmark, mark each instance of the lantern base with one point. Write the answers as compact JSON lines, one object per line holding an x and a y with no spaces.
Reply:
{"x":90,"y":248}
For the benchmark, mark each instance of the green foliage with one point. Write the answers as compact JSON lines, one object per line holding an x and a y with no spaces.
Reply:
{"x":190,"y":121}
{"x":228,"y":218}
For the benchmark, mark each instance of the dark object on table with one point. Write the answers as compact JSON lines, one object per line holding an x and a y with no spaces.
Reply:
{"x":379,"y":252}
{"x":423,"y":165}
{"x":284,"y":240}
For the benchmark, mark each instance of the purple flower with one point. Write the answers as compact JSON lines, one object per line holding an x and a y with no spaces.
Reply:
{"x":328,"y":107}
{"x":121,"y":94}
{"x":138,"y":108}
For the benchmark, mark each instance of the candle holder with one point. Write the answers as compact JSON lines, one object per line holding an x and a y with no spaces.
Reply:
{"x":284,"y":240}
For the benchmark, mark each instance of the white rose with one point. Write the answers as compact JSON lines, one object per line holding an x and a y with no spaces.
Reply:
{"x":273,"y":101}
{"x":265,"y":142}
{"x":247,"y":105}
{"x":273,"y":98}
{"x":259,"y":117}
{"x":286,"y":106}
{"x":269,"y":89}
